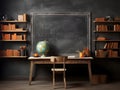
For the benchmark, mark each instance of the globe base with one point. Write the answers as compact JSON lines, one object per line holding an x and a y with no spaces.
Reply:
{"x":43,"y":55}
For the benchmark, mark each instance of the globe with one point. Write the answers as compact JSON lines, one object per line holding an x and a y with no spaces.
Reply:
{"x":42,"y":48}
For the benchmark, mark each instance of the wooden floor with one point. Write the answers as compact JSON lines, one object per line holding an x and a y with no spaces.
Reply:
{"x":47,"y":85}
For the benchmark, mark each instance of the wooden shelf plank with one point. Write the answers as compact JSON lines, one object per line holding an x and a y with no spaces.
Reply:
{"x":106,"y":40}
{"x":109,"y":31}
{"x":13,"y":31}
{"x":13,"y":56}
{"x":107,"y":57}
{"x":13,"y":40}
{"x":109,"y":48}
{"x":14,"y":21}
{"x":106,"y":21}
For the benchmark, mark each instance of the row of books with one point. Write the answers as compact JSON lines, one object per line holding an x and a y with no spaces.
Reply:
{"x":106,"y":53}
{"x":13,"y":36}
{"x":115,"y":27}
{"x":113,"y":45}
{"x":8,"y":26}
{"x":101,"y":28}
{"x":9,"y":52}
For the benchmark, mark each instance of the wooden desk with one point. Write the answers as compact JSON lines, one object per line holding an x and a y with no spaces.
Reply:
{"x":46,"y":60}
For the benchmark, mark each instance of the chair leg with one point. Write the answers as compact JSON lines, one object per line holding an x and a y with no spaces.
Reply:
{"x":53,"y":79}
{"x":64,"y":78}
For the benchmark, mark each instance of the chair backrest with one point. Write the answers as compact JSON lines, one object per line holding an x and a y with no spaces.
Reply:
{"x":58,"y":59}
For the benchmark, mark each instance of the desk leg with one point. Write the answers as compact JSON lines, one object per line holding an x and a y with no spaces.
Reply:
{"x":31,"y":72}
{"x":90,"y":71}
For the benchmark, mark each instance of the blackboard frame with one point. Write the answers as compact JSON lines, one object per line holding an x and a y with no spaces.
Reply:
{"x":87,"y":15}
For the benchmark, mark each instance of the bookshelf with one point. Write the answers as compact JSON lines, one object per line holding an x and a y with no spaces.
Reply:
{"x":107,"y":38}
{"x":13,"y":38}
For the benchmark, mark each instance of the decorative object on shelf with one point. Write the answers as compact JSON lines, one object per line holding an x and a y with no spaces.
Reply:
{"x":42,"y":48}
{"x":23,"y":50}
{"x":4,"y":17}
{"x":22,"y":17}
{"x":108,"y":18}
{"x":101,"y":38}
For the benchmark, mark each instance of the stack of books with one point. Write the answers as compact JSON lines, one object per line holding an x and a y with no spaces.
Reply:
{"x":9,"y":52}
{"x":8,"y":27}
{"x":13,"y":36}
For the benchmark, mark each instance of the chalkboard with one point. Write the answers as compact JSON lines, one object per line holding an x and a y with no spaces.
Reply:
{"x":65,"y":32}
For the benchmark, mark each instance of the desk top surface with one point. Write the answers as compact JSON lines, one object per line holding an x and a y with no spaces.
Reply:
{"x":33,"y":58}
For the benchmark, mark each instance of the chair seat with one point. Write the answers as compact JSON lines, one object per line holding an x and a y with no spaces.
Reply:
{"x":58,"y":69}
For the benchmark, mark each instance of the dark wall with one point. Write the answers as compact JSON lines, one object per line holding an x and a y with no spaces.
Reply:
{"x":98,"y":8}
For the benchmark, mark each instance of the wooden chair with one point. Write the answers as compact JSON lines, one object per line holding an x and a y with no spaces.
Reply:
{"x":58,"y":60}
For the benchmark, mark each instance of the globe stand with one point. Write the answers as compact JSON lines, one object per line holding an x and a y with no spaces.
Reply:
{"x":43,"y":55}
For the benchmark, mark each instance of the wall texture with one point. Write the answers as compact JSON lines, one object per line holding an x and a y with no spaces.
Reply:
{"x":98,"y":8}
